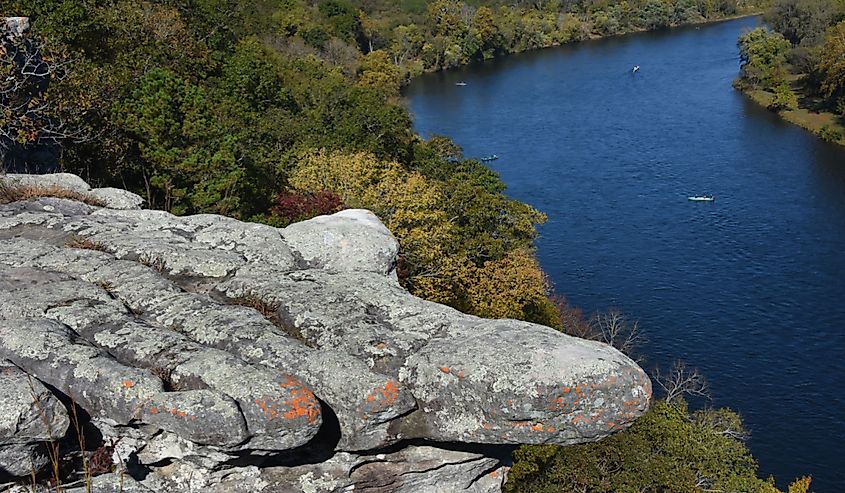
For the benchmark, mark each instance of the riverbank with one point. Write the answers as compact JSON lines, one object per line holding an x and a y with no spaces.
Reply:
{"x":611,"y":158}
{"x":587,"y":35}
{"x":825,"y":125}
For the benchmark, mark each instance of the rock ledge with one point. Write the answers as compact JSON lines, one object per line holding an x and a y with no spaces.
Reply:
{"x":237,"y":357}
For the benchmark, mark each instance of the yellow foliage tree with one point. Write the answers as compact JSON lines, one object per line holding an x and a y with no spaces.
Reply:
{"x":440,"y":270}
{"x":406,"y":201}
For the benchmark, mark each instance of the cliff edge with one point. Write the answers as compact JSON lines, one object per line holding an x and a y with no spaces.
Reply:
{"x":206,"y":352}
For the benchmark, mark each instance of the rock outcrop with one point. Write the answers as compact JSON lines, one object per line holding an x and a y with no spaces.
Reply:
{"x":205,"y":352}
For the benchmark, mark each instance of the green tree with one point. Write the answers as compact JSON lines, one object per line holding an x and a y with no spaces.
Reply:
{"x":831,"y":67}
{"x":784,"y":98}
{"x":763,"y":54}
{"x":186,"y":163}
{"x":803,"y":21}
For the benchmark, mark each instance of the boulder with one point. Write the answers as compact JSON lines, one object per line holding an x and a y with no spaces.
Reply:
{"x":30,"y":415}
{"x":116,"y":198}
{"x":228,"y":356}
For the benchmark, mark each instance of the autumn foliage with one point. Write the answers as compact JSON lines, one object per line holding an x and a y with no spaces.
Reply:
{"x":293,"y":206}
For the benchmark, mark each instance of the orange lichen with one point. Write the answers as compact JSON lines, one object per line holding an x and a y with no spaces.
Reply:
{"x":128,"y":384}
{"x":494,"y":474}
{"x":444,"y":369}
{"x":559,"y":404}
{"x":460,"y":375}
{"x":154,"y":410}
{"x":302,"y":404}
{"x":537,"y":427}
{"x":566,"y":390}
{"x":269,"y":410}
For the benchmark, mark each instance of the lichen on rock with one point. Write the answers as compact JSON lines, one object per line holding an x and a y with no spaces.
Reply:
{"x":240,"y":357}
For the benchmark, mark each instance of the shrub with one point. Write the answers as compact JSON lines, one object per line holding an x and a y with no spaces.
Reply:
{"x":830,"y":134}
{"x":784,"y":98}
{"x":292,"y":206}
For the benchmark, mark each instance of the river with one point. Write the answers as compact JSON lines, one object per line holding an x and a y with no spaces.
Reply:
{"x":750,"y":288}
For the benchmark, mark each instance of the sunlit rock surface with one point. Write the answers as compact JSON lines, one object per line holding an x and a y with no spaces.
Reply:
{"x":233,"y":356}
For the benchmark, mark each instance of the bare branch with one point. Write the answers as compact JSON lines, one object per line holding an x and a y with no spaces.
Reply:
{"x":28,"y":115}
{"x":681,"y":380}
{"x":613,"y":328}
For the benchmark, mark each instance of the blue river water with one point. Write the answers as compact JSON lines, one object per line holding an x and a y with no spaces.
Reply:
{"x":750,"y":288}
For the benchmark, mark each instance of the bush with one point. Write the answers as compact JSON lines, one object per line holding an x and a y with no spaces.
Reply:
{"x":830,"y":134}
{"x":784,"y":98}
{"x":668,"y":449}
{"x":293,"y":206}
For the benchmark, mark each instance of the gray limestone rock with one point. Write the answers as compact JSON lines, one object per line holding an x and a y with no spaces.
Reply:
{"x":61,"y":180}
{"x":214,"y":346}
{"x":414,"y":469}
{"x":111,"y":483}
{"x":29,"y":416}
{"x":116,"y":198}
{"x":21,"y":459}
{"x":348,"y":241}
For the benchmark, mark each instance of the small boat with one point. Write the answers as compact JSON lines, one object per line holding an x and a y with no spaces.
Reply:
{"x":491,"y":157}
{"x":460,"y":83}
{"x":635,"y":69}
{"x":701,"y":198}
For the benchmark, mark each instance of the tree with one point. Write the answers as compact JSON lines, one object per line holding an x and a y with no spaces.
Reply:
{"x":784,"y":98}
{"x":763,"y":54}
{"x":668,"y":449}
{"x":379,"y":73}
{"x":831,"y":67}
{"x":803,"y":21}
{"x":186,"y":163}
{"x":29,"y":114}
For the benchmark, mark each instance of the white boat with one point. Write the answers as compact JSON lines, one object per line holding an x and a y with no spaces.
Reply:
{"x":460,"y":83}
{"x":701,"y":198}
{"x":636,"y":68}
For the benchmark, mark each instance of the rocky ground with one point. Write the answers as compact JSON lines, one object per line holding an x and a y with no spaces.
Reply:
{"x":176,"y":354}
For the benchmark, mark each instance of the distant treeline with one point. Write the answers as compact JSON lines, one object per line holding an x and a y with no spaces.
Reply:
{"x":800,"y":58}
{"x":421,"y":36}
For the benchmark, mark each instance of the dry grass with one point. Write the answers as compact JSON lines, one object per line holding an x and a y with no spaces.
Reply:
{"x":271,"y":313}
{"x":803,"y":117}
{"x":85,"y":244}
{"x":151,"y":261}
{"x":166,"y":377}
{"x":90,"y":464}
{"x":13,"y":193}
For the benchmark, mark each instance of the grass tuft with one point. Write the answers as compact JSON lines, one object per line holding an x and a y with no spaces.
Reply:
{"x":271,"y":313}
{"x":13,"y":193}
{"x":84,"y":243}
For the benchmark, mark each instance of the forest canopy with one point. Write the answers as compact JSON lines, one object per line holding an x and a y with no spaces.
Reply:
{"x":280,"y":110}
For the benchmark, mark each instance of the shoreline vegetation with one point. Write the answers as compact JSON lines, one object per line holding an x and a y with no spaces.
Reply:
{"x":795,"y":68}
{"x":754,"y":12}
{"x":281,"y":110}
{"x":824,"y":124}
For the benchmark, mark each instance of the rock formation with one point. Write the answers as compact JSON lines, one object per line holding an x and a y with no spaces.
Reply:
{"x":206,"y":352}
